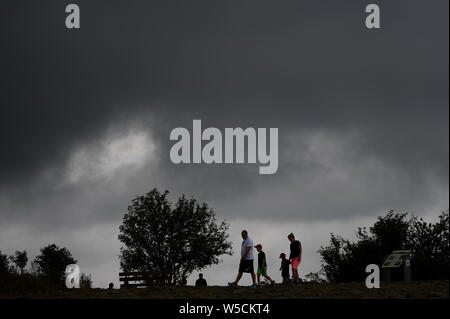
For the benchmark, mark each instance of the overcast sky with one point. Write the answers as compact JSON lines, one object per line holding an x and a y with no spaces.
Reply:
{"x":86,"y":115}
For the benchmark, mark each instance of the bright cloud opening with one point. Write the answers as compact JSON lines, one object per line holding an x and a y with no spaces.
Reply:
{"x":104,"y":159}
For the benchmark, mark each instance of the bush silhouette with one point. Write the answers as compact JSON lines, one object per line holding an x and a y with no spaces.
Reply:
{"x":52,"y":262}
{"x":343,"y":260}
{"x":20,"y":259}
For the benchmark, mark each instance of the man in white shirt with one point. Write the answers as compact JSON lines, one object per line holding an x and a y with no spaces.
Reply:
{"x":246,"y":263}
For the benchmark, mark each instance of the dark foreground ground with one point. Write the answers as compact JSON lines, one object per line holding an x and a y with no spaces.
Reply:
{"x":357,"y":290}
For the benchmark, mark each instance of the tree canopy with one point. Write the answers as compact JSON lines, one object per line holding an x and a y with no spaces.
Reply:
{"x":20,"y":259}
{"x":4,"y":263}
{"x":344,"y":260}
{"x":179,"y":238}
{"x":52,"y":262}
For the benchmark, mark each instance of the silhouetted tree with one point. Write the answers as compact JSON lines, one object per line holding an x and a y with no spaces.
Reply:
{"x":85,"y":280}
{"x":335,"y":258}
{"x":4,"y":264}
{"x":430,"y":248}
{"x":52,"y":262}
{"x":20,"y":259}
{"x":344,"y":260}
{"x":390,"y":232}
{"x":180,"y":238}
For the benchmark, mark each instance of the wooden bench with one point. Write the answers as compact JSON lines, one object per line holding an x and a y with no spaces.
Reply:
{"x":144,"y":279}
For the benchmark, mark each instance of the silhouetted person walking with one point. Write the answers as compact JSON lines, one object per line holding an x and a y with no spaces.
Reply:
{"x":246,"y":263}
{"x":284,"y":268}
{"x":200,"y":282}
{"x":262,"y":266}
{"x":295,"y":257}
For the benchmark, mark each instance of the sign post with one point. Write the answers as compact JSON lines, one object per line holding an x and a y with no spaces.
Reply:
{"x":396,"y":259}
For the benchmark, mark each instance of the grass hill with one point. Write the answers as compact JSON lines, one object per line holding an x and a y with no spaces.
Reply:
{"x":355,"y":290}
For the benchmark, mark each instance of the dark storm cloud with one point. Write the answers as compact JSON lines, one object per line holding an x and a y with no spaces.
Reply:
{"x":307,"y":67}
{"x":86,"y":114}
